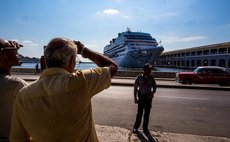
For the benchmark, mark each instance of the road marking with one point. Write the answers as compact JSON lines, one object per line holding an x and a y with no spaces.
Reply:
{"x":187,"y":98}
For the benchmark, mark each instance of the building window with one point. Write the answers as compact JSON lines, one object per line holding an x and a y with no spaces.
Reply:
{"x":205,"y":62}
{"x":228,"y":63}
{"x":213,"y":62}
{"x":188,"y":54}
{"x":168,"y":63}
{"x":198,"y":63}
{"x":199,"y":52}
{"x":205,"y":52}
{"x":213,"y":51}
{"x":187,"y":63}
{"x":183,"y":63}
{"x":193,"y":63}
{"x":178,"y":63}
{"x":222,"y":62}
{"x":222,"y":50}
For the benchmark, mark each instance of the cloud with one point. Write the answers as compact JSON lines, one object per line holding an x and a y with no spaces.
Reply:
{"x":170,"y":14}
{"x":112,"y":12}
{"x":117,"y":1}
{"x":184,"y":39}
{"x":22,"y":20}
{"x":26,"y":43}
{"x":15,"y":40}
{"x":126,"y":17}
{"x":29,"y":43}
{"x":91,"y":45}
{"x":109,"y":12}
{"x":165,"y":15}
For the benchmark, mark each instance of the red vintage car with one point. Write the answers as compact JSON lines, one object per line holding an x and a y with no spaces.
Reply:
{"x":205,"y":75}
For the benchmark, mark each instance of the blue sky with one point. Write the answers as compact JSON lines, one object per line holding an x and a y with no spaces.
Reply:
{"x":176,"y":23}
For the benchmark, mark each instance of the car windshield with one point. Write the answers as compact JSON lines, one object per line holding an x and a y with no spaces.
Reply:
{"x":197,"y":70}
{"x":227,"y":70}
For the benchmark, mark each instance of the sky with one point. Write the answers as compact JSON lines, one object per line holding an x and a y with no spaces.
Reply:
{"x":178,"y":24}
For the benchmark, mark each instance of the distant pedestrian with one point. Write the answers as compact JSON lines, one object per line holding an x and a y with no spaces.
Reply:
{"x":9,"y":85}
{"x":144,"y":89}
{"x":37,"y":68}
{"x":57,"y":107}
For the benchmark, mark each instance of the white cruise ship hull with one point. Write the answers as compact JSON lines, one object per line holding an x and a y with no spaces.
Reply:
{"x":138,"y":58}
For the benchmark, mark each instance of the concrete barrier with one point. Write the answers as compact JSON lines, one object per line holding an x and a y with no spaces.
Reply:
{"x":121,"y":73}
{"x":23,"y":70}
{"x":157,"y":74}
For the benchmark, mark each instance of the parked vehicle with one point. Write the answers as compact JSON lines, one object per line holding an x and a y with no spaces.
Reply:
{"x":205,"y":75}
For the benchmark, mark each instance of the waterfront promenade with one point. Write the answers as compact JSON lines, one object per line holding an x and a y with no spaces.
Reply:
{"x":129,"y":81}
{"x":119,"y":134}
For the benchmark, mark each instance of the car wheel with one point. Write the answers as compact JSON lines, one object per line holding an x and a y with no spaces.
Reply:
{"x":224,"y":84}
{"x":187,"y":81}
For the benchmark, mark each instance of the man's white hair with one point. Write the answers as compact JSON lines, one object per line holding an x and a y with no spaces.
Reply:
{"x":59,"y":51}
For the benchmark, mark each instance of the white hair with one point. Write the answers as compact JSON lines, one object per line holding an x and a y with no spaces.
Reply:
{"x":59,"y":51}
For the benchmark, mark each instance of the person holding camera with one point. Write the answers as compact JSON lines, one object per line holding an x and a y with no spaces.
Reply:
{"x":57,"y":106}
{"x":9,"y":85}
{"x":144,"y":90}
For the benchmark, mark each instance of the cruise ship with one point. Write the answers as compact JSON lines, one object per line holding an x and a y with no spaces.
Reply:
{"x":133,"y":49}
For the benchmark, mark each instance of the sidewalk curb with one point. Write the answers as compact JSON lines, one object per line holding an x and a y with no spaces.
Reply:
{"x":177,"y":86}
{"x":118,"y":134}
{"x":130,"y":82}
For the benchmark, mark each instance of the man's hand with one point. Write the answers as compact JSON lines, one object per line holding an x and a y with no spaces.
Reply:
{"x":98,"y":58}
{"x":79,"y":46}
{"x":14,"y":44}
{"x":10,"y":43}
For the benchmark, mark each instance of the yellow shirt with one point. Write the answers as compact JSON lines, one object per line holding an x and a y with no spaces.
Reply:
{"x":57,"y":107}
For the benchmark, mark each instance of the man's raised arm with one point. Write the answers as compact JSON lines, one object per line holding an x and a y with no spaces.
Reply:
{"x":98,"y":58}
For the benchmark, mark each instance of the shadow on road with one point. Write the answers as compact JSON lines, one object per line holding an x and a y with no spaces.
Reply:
{"x":146,"y":138}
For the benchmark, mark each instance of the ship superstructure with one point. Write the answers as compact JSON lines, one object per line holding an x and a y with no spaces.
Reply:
{"x":133,"y":49}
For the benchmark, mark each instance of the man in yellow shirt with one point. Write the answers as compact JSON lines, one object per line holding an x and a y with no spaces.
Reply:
{"x":57,"y":107}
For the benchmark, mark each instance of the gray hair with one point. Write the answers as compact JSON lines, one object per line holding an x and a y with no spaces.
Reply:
{"x":59,"y":51}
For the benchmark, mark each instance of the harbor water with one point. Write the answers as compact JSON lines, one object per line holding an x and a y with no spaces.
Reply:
{"x":87,"y":65}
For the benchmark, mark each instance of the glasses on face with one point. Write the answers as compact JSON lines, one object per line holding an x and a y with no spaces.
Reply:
{"x":8,"y":48}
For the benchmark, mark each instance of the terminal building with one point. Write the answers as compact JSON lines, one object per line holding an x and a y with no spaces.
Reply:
{"x":190,"y":58}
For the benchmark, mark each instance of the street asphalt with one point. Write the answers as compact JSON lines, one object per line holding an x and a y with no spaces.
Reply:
{"x":118,"y":134}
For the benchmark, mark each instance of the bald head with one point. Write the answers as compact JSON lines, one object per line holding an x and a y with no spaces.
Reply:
{"x":59,"y":51}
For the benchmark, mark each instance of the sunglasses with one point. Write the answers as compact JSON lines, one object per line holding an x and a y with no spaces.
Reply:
{"x":7,"y":48}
